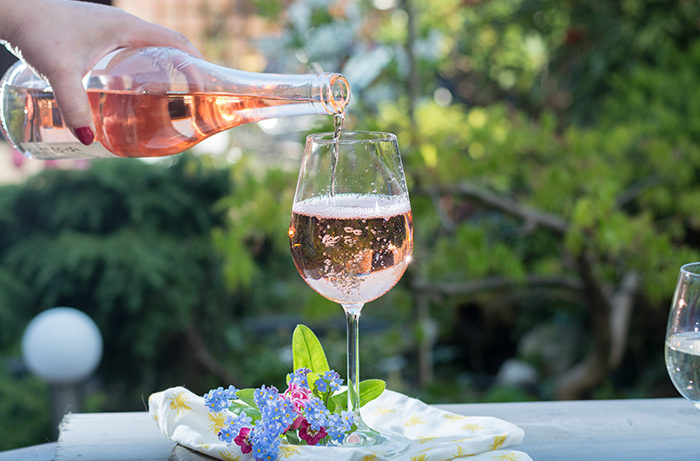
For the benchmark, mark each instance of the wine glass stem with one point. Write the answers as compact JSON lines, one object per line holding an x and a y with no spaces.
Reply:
{"x":352,"y":315}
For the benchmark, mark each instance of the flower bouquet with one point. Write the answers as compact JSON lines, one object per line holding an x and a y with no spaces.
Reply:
{"x":311,"y":411}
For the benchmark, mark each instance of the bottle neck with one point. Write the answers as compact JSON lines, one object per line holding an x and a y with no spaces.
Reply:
{"x":334,"y":92}
{"x":323,"y":93}
{"x":159,"y":70}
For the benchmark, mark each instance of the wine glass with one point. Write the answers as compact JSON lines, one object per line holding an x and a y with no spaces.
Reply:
{"x":351,"y":238}
{"x":682,"y":350}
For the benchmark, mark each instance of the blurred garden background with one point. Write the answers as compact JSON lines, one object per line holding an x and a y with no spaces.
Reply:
{"x":553,"y":154}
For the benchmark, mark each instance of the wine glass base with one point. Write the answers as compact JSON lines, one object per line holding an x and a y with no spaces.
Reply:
{"x":387,"y":445}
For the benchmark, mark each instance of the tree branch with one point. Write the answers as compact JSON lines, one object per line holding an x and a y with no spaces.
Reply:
{"x":531,"y":215}
{"x":610,"y":313}
{"x":622,"y":304}
{"x":447,"y":222}
{"x":495,"y":283}
{"x":205,"y":358}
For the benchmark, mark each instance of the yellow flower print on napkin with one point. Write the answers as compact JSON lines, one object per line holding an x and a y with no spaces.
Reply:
{"x":472,"y":427}
{"x":179,"y":403}
{"x":287,"y":450}
{"x":464,"y":439}
{"x":507,"y":457}
{"x":226,"y":455}
{"x":414,"y":421}
{"x":216,"y":421}
{"x":498,"y":442}
{"x":384,"y":411}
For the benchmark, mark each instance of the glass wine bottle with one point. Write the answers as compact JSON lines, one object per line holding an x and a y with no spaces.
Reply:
{"x":155,"y":101}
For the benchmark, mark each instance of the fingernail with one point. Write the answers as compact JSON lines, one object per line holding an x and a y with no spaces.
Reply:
{"x":84,"y":135}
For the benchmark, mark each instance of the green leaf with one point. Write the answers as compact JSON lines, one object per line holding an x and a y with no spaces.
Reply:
{"x":237,"y":407}
{"x":249,"y":411}
{"x":311,"y":379}
{"x":331,"y":405}
{"x":341,"y":400}
{"x":293,"y":438}
{"x":247,"y":396}
{"x":307,"y":351}
{"x":370,"y":389}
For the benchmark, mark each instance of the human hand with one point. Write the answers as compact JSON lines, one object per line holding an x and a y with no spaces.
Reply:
{"x":64,"y":39}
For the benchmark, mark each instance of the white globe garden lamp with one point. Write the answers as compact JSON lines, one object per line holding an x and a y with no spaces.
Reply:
{"x":62,"y":346}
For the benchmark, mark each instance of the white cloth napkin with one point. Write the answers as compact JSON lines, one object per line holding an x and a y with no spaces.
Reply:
{"x":435,"y":435}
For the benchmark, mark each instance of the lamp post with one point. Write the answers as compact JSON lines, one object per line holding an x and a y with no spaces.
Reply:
{"x":62,"y":346}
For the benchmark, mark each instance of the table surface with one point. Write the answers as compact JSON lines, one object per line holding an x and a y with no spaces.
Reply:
{"x":600,"y":430}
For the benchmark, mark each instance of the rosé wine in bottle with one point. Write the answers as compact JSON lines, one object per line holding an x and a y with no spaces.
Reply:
{"x":151,"y":102}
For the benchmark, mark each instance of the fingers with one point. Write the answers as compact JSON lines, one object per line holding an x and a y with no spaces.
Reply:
{"x":179,"y":40}
{"x":74,"y":104}
{"x":147,"y":34}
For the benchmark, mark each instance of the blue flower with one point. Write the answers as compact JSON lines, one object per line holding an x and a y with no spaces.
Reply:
{"x":265,"y":396}
{"x":236,"y":423}
{"x":277,"y":414}
{"x":316,"y":413}
{"x":339,"y":424}
{"x":218,"y":399}
{"x":226,"y":434}
{"x":233,"y":425}
{"x":328,"y":380}
{"x":348,"y":419}
{"x":333,"y":379}
{"x":335,"y":428}
{"x":321,"y":385}
{"x":264,"y":441}
{"x":299,"y":377}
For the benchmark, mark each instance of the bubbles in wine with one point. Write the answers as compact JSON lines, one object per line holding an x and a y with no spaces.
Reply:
{"x":352,"y":248}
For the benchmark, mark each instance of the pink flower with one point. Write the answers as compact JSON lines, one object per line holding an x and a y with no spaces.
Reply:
{"x":243,"y":440}
{"x":297,"y":423}
{"x":311,"y":436}
{"x":298,"y":396}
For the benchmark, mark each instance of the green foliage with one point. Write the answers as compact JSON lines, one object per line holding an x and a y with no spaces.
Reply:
{"x":585,"y":112}
{"x":127,"y":243}
{"x":25,"y":411}
{"x":259,"y":209}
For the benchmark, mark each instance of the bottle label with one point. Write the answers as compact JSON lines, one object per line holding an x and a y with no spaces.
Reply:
{"x":64,"y":150}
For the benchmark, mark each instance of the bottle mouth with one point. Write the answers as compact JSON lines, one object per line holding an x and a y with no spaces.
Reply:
{"x":336,"y":95}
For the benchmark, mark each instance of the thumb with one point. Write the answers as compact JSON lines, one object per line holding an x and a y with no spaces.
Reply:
{"x":74,"y":105}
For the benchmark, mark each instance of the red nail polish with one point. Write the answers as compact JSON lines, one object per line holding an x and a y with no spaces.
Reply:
{"x":84,"y":135}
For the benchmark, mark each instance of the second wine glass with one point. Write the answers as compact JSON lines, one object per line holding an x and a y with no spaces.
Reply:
{"x":682,"y":349}
{"x":351,"y":238}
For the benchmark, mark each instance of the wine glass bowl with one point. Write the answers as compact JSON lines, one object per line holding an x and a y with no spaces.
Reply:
{"x":682,"y":346}
{"x":351,"y":233}
{"x":351,"y":238}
